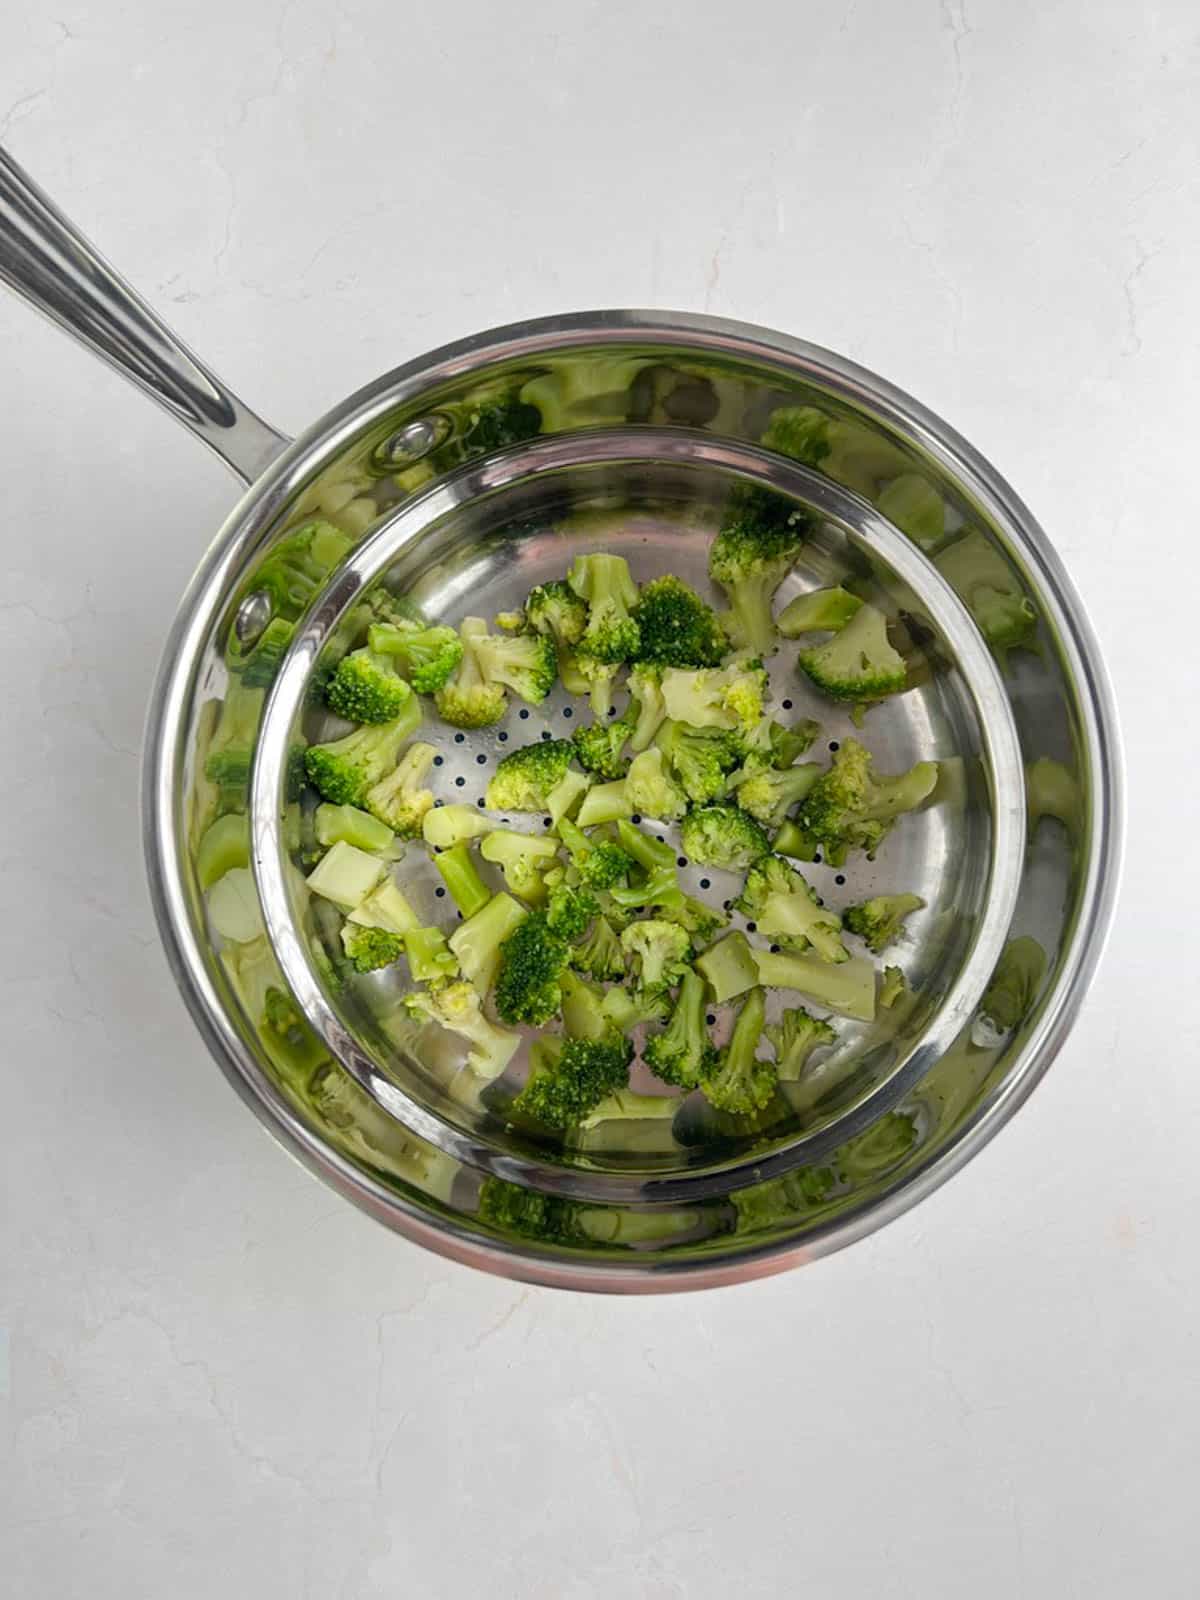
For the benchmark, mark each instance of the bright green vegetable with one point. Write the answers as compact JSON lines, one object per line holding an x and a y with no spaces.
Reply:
{"x":356,"y":827}
{"x":759,"y":542}
{"x":223,"y":845}
{"x":297,"y":566}
{"x":532,"y":960}
{"x":523,"y":858}
{"x":851,"y":807}
{"x":385,"y":907}
{"x":658,"y":952}
{"x":599,"y":748}
{"x":722,"y":836}
{"x":471,"y":697}
{"x":878,"y":921}
{"x":525,"y":664}
{"x":599,"y":952}
{"x":572,"y":1076}
{"x":786,"y":745}
{"x":659,"y":889}
{"x":739,"y":1083}
{"x":446,"y":826}
{"x":584,"y":674}
{"x":365,"y":687}
{"x":476,"y":942}
{"x":626,"y":1106}
{"x":627,"y":1009}
{"x":461,"y":877}
{"x":801,"y":432}
{"x":782,"y":1201}
{"x":582,"y":1007}
{"x":425,"y":656}
{"x":857,"y":664}
{"x":231,"y":750}
{"x":259,"y":663}
{"x":820,"y":611}
{"x":600,"y":864}
{"x":456,"y":1006}
{"x":729,"y":697}
{"x":430,"y":960}
{"x":525,"y":778}
{"x":345,"y":875}
{"x":699,"y":759}
{"x":369,"y":949}
{"x":845,"y":986}
{"x":683,"y":1053}
{"x":398,"y":799}
{"x":785,"y":908}
{"x":794,"y":1038}
{"x":604,"y":581}
{"x":892,"y":985}
{"x":554,"y":609}
{"x":677,"y":628}
{"x":768,"y":795}
{"x":344,"y":769}
{"x":566,"y":794}
{"x":647,"y":707}
{"x":650,"y":789}
{"x":728,"y":967}
{"x":569,"y":911}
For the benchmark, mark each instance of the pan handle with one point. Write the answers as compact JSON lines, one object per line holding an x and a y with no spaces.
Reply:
{"x":49,"y":263}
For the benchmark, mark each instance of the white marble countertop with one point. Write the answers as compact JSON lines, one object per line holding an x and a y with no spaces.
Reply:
{"x":221,"y":1380}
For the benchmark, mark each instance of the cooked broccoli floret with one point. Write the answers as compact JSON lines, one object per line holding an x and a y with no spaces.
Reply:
{"x":525,"y":663}
{"x":801,"y":432}
{"x":820,"y":611}
{"x":600,"y":863}
{"x":722,"y":836}
{"x":650,"y":788}
{"x":573,"y":1078}
{"x":857,"y":664}
{"x":659,"y":952}
{"x":554,"y":609}
{"x":599,"y":748}
{"x":599,"y":953}
{"x":845,"y":986}
{"x":878,"y":921}
{"x":700,"y":758}
{"x":787,"y":744}
{"x":425,"y":656}
{"x":456,"y":1006}
{"x":344,"y":769}
{"x":523,"y":858}
{"x":399,"y":800}
{"x":476,"y":942}
{"x":582,"y":1007}
{"x":461,"y":877}
{"x":769,"y":794}
{"x":430,"y":960}
{"x":850,"y":807}
{"x":583,"y":674}
{"x":446,"y":826}
{"x":759,"y":542}
{"x":647,"y":852}
{"x":569,"y":912}
{"x":524,"y":778}
{"x":728,"y":967}
{"x":647,"y":709}
{"x":701,"y":921}
{"x":629,"y":1008}
{"x":683,"y":1054}
{"x":471,"y":696}
{"x":368,"y":949}
{"x":786,"y":909}
{"x":659,"y":889}
{"x":794,"y":1038}
{"x":604,"y":581}
{"x":532,"y":960}
{"x":677,"y":628}
{"x":1014,"y":986}
{"x":991,"y":591}
{"x":366,"y":687}
{"x":891,"y":986}
{"x":729,"y":697}
{"x":739,"y":1083}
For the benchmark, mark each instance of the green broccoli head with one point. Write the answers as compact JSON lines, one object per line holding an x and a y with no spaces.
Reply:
{"x":524,"y":858}
{"x":851,"y":807}
{"x":682,"y":1053}
{"x":344,"y":769}
{"x":365,"y":687}
{"x":703,"y":922}
{"x":788,"y":744}
{"x":525,"y":663}
{"x":599,"y":953}
{"x":768,"y":794}
{"x":700,"y":759}
{"x":425,"y":656}
{"x":723,"y":836}
{"x":599,"y":748}
{"x":471,"y":697}
{"x":555,"y":610}
{"x":857,"y":664}
{"x":759,"y":542}
{"x":677,"y":628}
{"x":739,"y":1083}
{"x":369,"y":949}
{"x":659,"y":889}
{"x":569,"y":911}
{"x":794,"y":1038}
{"x":730,"y":697}
{"x":523,"y":780}
{"x":650,"y":788}
{"x":604,"y":581}
{"x":532,"y":960}
{"x":787,"y":910}
{"x":880,"y":920}
{"x":457,"y":1006}
{"x":600,"y":863}
{"x":627,"y":1009}
{"x":572,"y":1078}
{"x":658,"y":951}
{"x":398,"y":799}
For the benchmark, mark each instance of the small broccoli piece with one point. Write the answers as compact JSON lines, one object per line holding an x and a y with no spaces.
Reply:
{"x":794,"y":1038}
{"x":683,"y":1054}
{"x":524,"y":778}
{"x":1009,"y":996}
{"x":600,"y":864}
{"x":573,"y":1079}
{"x":782,"y":1201}
{"x":258,"y":663}
{"x":723,"y":836}
{"x":677,"y":628}
{"x":729,"y":697}
{"x":583,"y":674}
{"x":471,"y":697}
{"x":891,"y":986}
{"x":647,"y":852}
{"x":701,"y":921}
{"x":801,"y":432}
{"x":626,"y":1106}
{"x":659,"y":889}
{"x":604,"y":802}
{"x":599,"y":954}
{"x":430,"y":960}
{"x":344,"y":769}
{"x":650,"y":788}
{"x":368,"y":949}
{"x":844,"y":986}
{"x":914,"y":506}
{"x":786,"y":908}
{"x":461,"y":876}
{"x":356,"y":827}
{"x":493,"y":423}
{"x":525,"y":663}
{"x":788,"y":744}
{"x":728,"y":967}
{"x":399,"y":800}
{"x":880,"y":920}
{"x":523,"y":858}
{"x":555,"y":610}
{"x":425,"y":656}
{"x":738,"y":1082}
{"x":385,"y":907}
{"x":768,"y":794}
{"x":1052,"y":791}
{"x":991,"y":591}
{"x":532,"y":960}
{"x":569,"y":912}
{"x":647,"y":707}
{"x":857,"y":664}
{"x":820,"y":611}
{"x":659,"y":952}
{"x":850,"y":807}
{"x":446,"y":826}
{"x":582,"y":1007}
{"x":599,"y":748}
{"x":456,"y":1006}
{"x":604,"y":581}
{"x":627,"y":1009}
{"x":365,"y":687}
{"x":699,"y":758}
{"x":759,"y":542}
{"x":345,"y":875}
{"x":476,"y":942}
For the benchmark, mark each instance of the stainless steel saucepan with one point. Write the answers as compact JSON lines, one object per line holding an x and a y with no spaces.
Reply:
{"x":635,"y":427}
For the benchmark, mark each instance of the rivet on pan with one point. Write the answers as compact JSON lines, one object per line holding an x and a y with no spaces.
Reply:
{"x":416,"y":439}
{"x":252,"y":616}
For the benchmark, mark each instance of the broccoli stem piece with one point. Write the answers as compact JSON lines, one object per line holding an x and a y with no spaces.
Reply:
{"x":845,"y":986}
{"x":649,"y":853}
{"x":476,"y":942}
{"x":569,"y":789}
{"x":792,"y":840}
{"x":821,"y":611}
{"x":461,"y":877}
{"x":683,"y":1054}
{"x":728,"y":967}
{"x":429,"y":958}
{"x":345,"y":875}
{"x":604,"y":802}
{"x":356,"y":827}
{"x":794,"y":1038}
{"x":650,"y":709}
{"x":740,"y":1083}
{"x":456,"y":1006}
{"x":523,"y":858}
{"x":880,"y":920}
{"x":604,"y":581}
{"x":892,"y":985}
{"x":385,"y":907}
{"x":660,"y":888}
{"x":446,"y":826}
